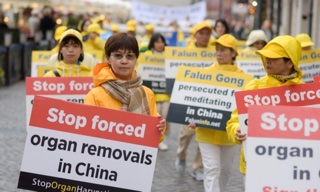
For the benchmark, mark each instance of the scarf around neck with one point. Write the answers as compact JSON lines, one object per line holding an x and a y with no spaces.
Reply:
{"x":285,"y":78}
{"x":130,"y":93}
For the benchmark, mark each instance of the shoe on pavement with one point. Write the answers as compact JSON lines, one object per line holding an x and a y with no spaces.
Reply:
{"x":163,"y":146}
{"x":180,"y":165}
{"x":197,"y":175}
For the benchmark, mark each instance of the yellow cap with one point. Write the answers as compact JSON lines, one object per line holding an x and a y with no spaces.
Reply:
{"x":59,"y":31}
{"x":201,"y":25}
{"x":304,"y":39}
{"x":283,"y":46}
{"x":149,"y":27}
{"x":71,"y":32}
{"x":94,"y":27}
{"x":228,"y":40}
{"x":131,"y":28}
{"x":131,"y":22}
{"x":115,"y":28}
{"x":274,"y":51}
{"x":131,"y":25}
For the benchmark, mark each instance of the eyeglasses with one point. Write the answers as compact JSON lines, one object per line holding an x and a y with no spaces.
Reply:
{"x":119,"y":56}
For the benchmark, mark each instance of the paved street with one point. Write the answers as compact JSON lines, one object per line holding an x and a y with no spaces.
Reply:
{"x":12,"y":138}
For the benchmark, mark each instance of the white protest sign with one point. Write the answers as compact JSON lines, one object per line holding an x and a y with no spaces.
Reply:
{"x":83,"y":148}
{"x":283,"y":149}
{"x":296,"y":95}
{"x":188,"y":57}
{"x":72,"y":89}
{"x":205,"y":96}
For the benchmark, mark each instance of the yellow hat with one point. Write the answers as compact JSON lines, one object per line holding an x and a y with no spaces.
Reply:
{"x":131,"y":28}
{"x":201,"y":25}
{"x":59,"y":31}
{"x":131,"y":22}
{"x":131,"y":25}
{"x":71,"y":32}
{"x":94,"y":27}
{"x":283,"y":46}
{"x":115,"y":28}
{"x":191,"y":31}
{"x":149,"y":27}
{"x":304,"y":39}
{"x":228,"y":40}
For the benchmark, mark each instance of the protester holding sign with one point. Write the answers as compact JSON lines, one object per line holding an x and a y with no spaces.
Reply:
{"x":216,"y":149}
{"x":257,"y":39}
{"x":280,"y":59}
{"x":202,"y":37}
{"x":116,"y":83}
{"x":156,"y":47}
{"x":70,"y":57}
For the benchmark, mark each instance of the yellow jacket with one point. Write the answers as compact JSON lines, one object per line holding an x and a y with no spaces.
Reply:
{"x":212,"y":136}
{"x":193,"y":44}
{"x":99,"y":97}
{"x":233,"y":123}
{"x":70,"y":70}
{"x":96,"y":44}
{"x":88,"y":60}
{"x":286,"y":46}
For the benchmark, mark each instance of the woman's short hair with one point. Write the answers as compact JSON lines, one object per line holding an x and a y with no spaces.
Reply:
{"x":155,"y":38}
{"x":120,"y":41}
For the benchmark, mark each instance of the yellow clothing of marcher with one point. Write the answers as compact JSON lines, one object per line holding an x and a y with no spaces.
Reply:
{"x":88,"y":60}
{"x":55,"y":49}
{"x":211,"y":136}
{"x":98,"y":96}
{"x":70,"y":70}
{"x":146,"y":37}
{"x":193,"y":45}
{"x":281,"y":46}
{"x":233,"y":124}
{"x":96,"y":44}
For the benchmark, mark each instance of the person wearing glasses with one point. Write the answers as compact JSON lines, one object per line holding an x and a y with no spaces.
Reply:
{"x":118,"y":86}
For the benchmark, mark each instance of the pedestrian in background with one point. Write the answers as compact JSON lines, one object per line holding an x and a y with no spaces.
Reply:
{"x":267,"y":28}
{"x":34,"y":25}
{"x":47,"y":22}
{"x":220,"y":28}
{"x":116,"y":83}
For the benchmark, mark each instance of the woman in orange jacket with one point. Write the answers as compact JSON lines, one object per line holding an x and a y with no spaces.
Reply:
{"x":116,"y":83}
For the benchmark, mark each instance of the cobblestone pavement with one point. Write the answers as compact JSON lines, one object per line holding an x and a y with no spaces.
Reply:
{"x":12,"y":139}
